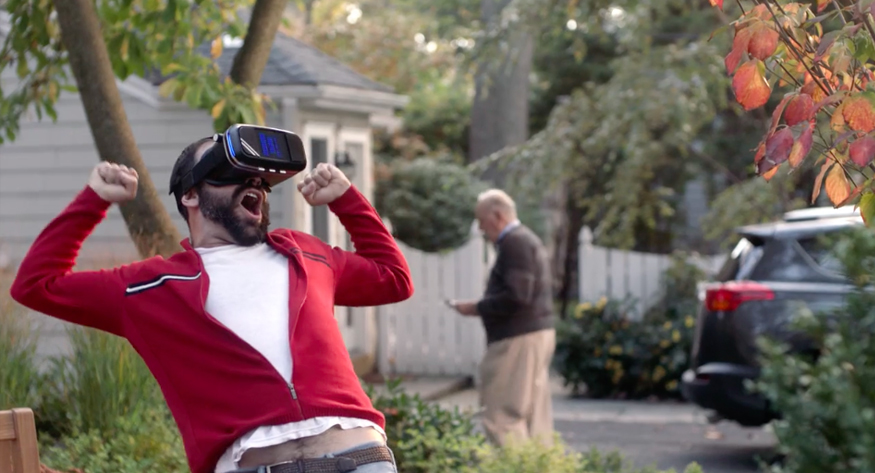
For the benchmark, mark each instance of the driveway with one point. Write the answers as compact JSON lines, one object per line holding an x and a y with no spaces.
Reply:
{"x":665,"y":435}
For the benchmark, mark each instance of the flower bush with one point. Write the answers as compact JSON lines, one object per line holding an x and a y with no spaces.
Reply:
{"x":601,"y":351}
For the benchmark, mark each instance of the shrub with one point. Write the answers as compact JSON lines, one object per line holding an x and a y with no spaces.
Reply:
{"x":145,"y":441}
{"x":428,"y":438}
{"x":425,"y":437}
{"x":103,"y":380}
{"x":429,"y":203}
{"x":827,"y":401}
{"x":601,"y":348}
{"x":532,"y":457}
{"x":19,"y":376}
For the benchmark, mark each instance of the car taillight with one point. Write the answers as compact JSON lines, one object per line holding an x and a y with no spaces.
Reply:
{"x":730,"y":295}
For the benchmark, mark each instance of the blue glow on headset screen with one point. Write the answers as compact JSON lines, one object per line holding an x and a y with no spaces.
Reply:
{"x":270,"y":146}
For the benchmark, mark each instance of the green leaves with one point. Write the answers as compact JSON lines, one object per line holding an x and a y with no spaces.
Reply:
{"x":142,"y":36}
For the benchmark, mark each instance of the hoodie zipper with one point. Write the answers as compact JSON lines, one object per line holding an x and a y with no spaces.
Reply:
{"x":289,"y":384}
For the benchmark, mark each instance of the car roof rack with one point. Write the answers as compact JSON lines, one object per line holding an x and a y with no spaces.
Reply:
{"x":817,"y":213}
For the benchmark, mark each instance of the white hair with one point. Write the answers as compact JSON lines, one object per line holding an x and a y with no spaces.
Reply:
{"x":497,"y":200}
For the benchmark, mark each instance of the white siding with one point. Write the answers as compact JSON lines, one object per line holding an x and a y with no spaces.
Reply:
{"x":48,"y":163}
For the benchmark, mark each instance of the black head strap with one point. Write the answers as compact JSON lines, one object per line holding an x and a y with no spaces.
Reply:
{"x":208,"y":162}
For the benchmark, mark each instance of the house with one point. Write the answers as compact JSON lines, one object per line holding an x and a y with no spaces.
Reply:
{"x":332,"y":108}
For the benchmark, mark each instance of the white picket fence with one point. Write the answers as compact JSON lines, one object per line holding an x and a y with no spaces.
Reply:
{"x":619,"y":274}
{"x":422,"y":336}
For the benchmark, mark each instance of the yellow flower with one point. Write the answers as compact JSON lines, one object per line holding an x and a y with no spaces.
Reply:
{"x":664,"y":343}
{"x":671,"y":385}
{"x":581,"y":309}
{"x":676,"y":336}
{"x":658,"y":373}
{"x":666,"y":325}
{"x":603,"y":301}
{"x":689,"y":321}
{"x":616,"y":350}
{"x":618,"y":375}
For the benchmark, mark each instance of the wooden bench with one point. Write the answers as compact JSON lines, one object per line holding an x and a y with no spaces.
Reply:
{"x":19,"y":451}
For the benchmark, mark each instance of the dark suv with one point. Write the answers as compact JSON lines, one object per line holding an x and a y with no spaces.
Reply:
{"x":775,"y":271}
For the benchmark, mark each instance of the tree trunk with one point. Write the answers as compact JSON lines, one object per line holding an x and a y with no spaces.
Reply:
{"x":500,"y":112}
{"x":250,"y":60}
{"x":147,"y":219}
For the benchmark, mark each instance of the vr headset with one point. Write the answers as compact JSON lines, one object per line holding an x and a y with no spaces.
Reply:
{"x":244,"y":152}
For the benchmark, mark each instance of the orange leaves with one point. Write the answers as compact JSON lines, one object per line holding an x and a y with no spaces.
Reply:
{"x":777,"y":149}
{"x":757,"y":39}
{"x":802,"y":146}
{"x":858,"y":111}
{"x":763,"y":40}
{"x":800,"y":109}
{"x":750,"y":86}
{"x":837,"y":187}
{"x":862,"y":150}
{"x":821,"y":4}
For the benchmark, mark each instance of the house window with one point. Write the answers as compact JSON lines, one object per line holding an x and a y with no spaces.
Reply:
{"x":319,"y":154}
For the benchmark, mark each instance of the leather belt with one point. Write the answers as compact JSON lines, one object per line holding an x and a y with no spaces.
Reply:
{"x":341,"y":464}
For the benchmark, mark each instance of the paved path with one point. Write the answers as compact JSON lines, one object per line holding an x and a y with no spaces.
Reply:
{"x":667,"y":435}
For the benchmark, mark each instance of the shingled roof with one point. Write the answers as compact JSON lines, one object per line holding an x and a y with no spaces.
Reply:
{"x":293,"y":62}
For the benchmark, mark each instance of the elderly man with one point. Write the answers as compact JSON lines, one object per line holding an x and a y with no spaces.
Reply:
{"x":517,"y":314}
{"x":238,"y":327}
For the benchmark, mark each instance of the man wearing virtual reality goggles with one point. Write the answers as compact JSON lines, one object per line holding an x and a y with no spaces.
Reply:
{"x":238,"y":328}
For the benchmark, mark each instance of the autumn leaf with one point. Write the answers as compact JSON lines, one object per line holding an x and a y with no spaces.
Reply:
{"x":216,"y":48}
{"x":800,"y":109}
{"x":750,"y":86}
{"x":811,"y":88}
{"x":217,"y":108}
{"x":862,"y":150}
{"x":717,"y":3}
{"x":739,"y":48}
{"x":818,"y":181}
{"x":836,"y":186}
{"x":859,"y":112}
{"x":778,"y":146}
{"x":802,"y":146}
{"x":760,"y":154}
{"x":778,"y":112}
{"x":768,"y":175}
{"x":821,"y":4}
{"x":763,"y":41}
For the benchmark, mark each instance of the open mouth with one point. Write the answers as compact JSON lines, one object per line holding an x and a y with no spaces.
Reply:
{"x":251,"y":202}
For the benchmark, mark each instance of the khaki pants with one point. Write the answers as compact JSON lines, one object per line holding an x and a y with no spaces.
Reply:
{"x":515,"y":388}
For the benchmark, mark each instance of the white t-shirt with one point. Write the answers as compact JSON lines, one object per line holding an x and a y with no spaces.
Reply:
{"x":249,"y":294}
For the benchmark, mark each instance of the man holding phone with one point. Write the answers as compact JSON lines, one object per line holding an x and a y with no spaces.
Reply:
{"x":517,"y":314}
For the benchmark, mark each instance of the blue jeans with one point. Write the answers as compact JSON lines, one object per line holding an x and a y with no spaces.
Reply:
{"x":378,"y":467}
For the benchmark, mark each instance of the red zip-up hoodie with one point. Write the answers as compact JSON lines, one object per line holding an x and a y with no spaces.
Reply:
{"x":216,"y":385}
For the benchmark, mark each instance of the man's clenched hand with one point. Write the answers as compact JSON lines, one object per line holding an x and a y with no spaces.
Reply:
{"x":323,"y":184}
{"x":113,"y":182}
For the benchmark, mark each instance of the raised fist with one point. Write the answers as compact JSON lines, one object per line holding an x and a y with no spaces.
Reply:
{"x":114,"y":182}
{"x":323,"y":184}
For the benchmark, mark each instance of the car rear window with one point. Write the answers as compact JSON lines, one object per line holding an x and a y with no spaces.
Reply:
{"x":782,"y":259}
{"x":742,"y":260}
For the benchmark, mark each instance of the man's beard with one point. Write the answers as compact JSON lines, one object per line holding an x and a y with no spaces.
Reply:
{"x":222,"y":212}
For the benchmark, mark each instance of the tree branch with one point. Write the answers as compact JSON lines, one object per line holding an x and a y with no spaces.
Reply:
{"x":250,"y":60}
{"x":146,"y":217}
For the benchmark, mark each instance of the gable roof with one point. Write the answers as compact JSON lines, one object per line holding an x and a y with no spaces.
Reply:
{"x":293,"y":62}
